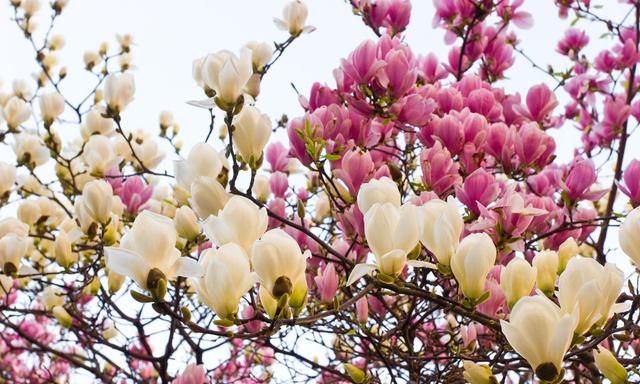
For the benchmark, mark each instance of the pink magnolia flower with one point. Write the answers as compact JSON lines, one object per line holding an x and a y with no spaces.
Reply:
{"x":479,"y":187}
{"x":631,"y":185}
{"x":327,"y":283}
{"x":135,"y":193}
{"x":572,"y":42}
{"x":581,"y":175}
{"x":540,"y":103}
{"x":439,"y":172}
{"x":192,"y":374}
{"x":362,"y":310}
{"x":356,"y":168}
{"x":276,"y":155}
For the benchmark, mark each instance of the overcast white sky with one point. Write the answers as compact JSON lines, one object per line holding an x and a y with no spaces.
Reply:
{"x":170,"y":34}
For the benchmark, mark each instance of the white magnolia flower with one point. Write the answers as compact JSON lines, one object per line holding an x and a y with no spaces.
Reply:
{"x":208,"y":197}
{"x":7,"y":177}
{"x":146,"y":149}
{"x":227,"y":74}
{"x":294,"y":17}
{"x":280,"y":266}
{"x":261,"y":187}
{"x":540,"y":333}
{"x":12,"y":225}
{"x":186,"y":223}
{"x":440,"y":225}
{"x":477,"y":373}
{"x":567,"y":250}
{"x":382,"y":190}
{"x":226,"y":277}
{"x":29,"y":211}
{"x":391,"y":233}
{"x":240,"y":221}
{"x":51,"y":106}
{"x":251,"y":134}
{"x":471,"y":263}
{"x":15,"y":112}
{"x":91,"y":59}
{"x":99,"y":155}
{"x":65,"y":257}
{"x":629,"y":236}
{"x":30,"y":150}
{"x":118,"y":91}
{"x":609,"y":366}
{"x":202,"y":160}
{"x":261,"y":53}
{"x":517,"y":280}
{"x":12,"y":249}
{"x":147,"y":252}
{"x":95,"y":124}
{"x":590,"y":290}
{"x":546,"y":263}
{"x":51,"y":297}
{"x":97,"y":198}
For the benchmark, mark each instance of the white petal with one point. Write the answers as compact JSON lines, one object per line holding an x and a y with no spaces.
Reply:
{"x":127,"y":263}
{"x":359,"y":271}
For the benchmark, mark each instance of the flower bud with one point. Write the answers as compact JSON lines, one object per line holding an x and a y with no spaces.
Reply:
{"x":471,"y":263}
{"x":62,"y":316}
{"x":629,"y":235}
{"x":12,"y":249}
{"x":294,"y":17}
{"x":362,"y":310}
{"x":118,"y":91}
{"x":567,"y":250}
{"x":115,"y":281}
{"x":110,"y":331}
{"x":478,"y":373}
{"x":29,"y":212}
{"x":96,"y":196}
{"x":546,"y":264}
{"x":186,"y":223}
{"x":91,"y":59}
{"x":99,"y":155}
{"x":261,"y":188}
{"x":609,"y":366}
{"x":251,"y":133}
{"x":7,"y":178}
{"x":382,"y":190}
{"x":260,"y":54}
{"x":517,"y":280}
{"x":51,"y":106}
{"x":64,"y":255}
{"x":15,"y":112}
{"x":440,"y":228}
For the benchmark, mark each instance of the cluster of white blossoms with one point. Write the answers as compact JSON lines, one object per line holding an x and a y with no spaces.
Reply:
{"x":538,"y":328}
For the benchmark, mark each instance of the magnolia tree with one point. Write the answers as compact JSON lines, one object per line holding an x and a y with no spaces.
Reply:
{"x":413,"y":228}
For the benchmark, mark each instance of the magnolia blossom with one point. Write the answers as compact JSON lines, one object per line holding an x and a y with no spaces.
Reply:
{"x":99,"y":155}
{"x":51,"y":106}
{"x":546,"y":264}
{"x":610,"y":366}
{"x":539,"y":332}
{"x":294,"y":17}
{"x":590,"y":290}
{"x":261,"y":54}
{"x":240,"y":221}
{"x":227,"y":74}
{"x":13,"y":248}
{"x":382,"y":190}
{"x":147,"y":252}
{"x":202,"y":161}
{"x":629,"y":234}
{"x":95,"y":124}
{"x":15,"y":112}
{"x":97,"y":198}
{"x":440,"y":226}
{"x":186,"y":223}
{"x":567,"y":250}
{"x":280,"y":264}
{"x":30,"y":150}
{"x":517,"y":280}
{"x":226,"y":277}
{"x":118,"y":91}
{"x":7,"y":178}
{"x":251,"y":133}
{"x":208,"y":197}
{"x":391,"y":233}
{"x":477,"y":373}
{"x":471,"y":263}
{"x":64,"y":254}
